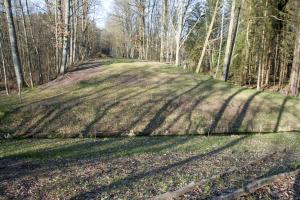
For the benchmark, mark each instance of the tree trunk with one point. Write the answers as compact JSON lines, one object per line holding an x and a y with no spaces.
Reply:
{"x":180,"y":13}
{"x":14,"y":45}
{"x":57,"y":43}
{"x":233,"y":26}
{"x":65,"y":38}
{"x":207,"y":37}
{"x":3,"y":63}
{"x":40,"y":80}
{"x":164,"y":27}
{"x":295,"y":68}
{"x":221,"y":41}
{"x":26,"y":44}
{"x":294,"y":79}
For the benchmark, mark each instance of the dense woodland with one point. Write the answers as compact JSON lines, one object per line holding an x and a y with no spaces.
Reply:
{"x":251,"y":43}
{"x":40,"y":43}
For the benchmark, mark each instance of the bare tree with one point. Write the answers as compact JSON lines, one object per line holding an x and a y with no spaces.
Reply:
{"x":207,"y":37}
{"x":164,"y":27}
{"x":181,"y":12}
{"x":26,"y":43}
{"x":14,"y":45}
{"x":294,"y":80}
{"x":65,"y":49}
{"x":3,"y":63}
{"x":233,"y":26}
{"x":221,"y":39}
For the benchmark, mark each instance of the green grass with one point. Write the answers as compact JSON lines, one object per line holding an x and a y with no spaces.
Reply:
{"x":144,"y":98}
{"x":49,"y":149}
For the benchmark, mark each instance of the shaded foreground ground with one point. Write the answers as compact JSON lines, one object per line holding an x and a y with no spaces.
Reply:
{"x":139,"y":167}
{"x":153,"y":99}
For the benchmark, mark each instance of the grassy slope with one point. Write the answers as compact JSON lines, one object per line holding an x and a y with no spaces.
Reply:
{"x":144,"y":98}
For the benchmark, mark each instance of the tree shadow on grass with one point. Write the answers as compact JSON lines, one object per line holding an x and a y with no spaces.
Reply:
{"x":171,"y":111}
{"x":195,"y":102}
{"x":82,"y":151}
{"x":282,"y":107}
{"x":52,"y":108}
{"x":169,"y":107}
{"x":132,"y":179}
{"x":221,"y":111}
{"x":125,"y":97}
{"x":239,"y":118}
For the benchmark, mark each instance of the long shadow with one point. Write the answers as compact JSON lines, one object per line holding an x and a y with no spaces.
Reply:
{"x":220,"y":113}
{"x":125,"y":97}
{"x":81,"y":100}
{"x":168,"y":108}
{"x":85,"y":152}
{"x":189,"y":112}
{"x":100,"y":115}
{"x":58,"y":107}
{"x":19,"y":107}
{"x":251,"y":123}
{"x":237,"y":122}
{"x":136,"y":177}
{"x":53,"y":113}
{"x":282,"y":107}
{"x":57,"y":97}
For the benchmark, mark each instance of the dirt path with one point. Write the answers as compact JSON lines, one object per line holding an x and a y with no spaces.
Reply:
{"x":77,"y":73}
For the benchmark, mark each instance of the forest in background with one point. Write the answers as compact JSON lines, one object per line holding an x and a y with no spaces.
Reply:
{"x":251,"y":43}
{"x":39,"y":43}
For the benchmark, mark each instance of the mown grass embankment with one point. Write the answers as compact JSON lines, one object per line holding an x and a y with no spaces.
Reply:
{"x":143,"y":98}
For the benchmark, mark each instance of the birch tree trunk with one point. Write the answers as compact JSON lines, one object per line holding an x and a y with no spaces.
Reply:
{"x":26,"y":44}
{"x":207,"y":37}
{"x":75,"y":30}
{"x":3,"y":63}
{"x":34,"y":44}
{"x":234,"y":21}
{"x":65,"y":50}
{"x":14,"y":45}
{"x":57,"y":38}
{"x":180,"y":12}
{"x":221,"y":40}
{"x":163,"y":30}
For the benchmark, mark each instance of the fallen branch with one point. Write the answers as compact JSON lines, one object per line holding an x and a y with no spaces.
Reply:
{"x":172,"y":195}
{"x":252,"y":187}
{"x":192,"y":186}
